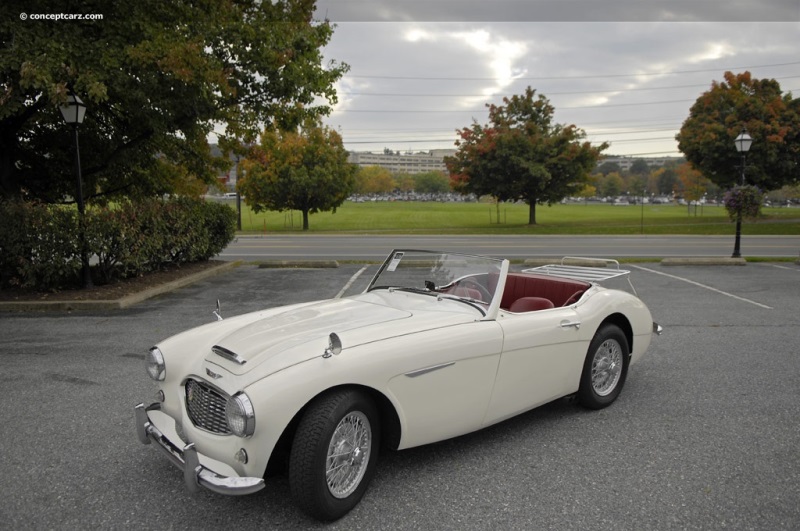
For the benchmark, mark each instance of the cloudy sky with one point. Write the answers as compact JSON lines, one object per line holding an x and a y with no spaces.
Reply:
{"x":625,"y":71}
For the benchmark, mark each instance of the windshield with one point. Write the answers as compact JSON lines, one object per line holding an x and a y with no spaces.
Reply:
{"x":466,"y":277}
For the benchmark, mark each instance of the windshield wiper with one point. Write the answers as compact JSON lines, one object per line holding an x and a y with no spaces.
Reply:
{"x":423,"y":291}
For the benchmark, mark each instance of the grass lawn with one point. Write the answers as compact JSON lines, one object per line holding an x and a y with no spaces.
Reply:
{"x":482,"y":218}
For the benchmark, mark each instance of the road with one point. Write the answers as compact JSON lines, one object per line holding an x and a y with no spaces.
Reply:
{"x":376,"y":247}
{"x":704,"y":435}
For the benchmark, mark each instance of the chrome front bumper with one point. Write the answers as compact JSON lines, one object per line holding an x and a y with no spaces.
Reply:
{"x":195,"y":475}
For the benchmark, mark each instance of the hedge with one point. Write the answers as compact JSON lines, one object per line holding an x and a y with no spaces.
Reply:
{"x":40,"y":243}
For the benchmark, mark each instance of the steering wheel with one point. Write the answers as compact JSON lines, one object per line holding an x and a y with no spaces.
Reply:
{"x":471,"y":283}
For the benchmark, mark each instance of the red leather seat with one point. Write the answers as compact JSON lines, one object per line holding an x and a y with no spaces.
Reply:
{"x":558,"y":290}
{"x":531,"y":304}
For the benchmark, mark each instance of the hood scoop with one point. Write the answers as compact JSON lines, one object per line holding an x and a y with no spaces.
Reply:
{"x":298,"y":334}
{"x":228,"y":354}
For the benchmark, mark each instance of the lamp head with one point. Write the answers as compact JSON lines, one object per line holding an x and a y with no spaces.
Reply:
{"x":73,"y":110}
{"x":743,"y":141}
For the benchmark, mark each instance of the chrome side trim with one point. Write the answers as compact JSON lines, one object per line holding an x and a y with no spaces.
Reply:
{"x":426,"y":370}
{"x":228,"y":354}
{"x":187,"y":459}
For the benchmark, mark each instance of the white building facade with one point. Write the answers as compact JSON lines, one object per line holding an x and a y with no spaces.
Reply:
{"x":396,"y":162}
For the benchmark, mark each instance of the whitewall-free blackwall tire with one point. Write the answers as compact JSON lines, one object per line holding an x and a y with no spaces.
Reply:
{"x":334,"y":453}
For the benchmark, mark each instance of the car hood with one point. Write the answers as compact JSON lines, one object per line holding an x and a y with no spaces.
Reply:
{"x":280,"y":340}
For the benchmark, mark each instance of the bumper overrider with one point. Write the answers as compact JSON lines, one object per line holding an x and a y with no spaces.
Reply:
{"x":187,"y":459}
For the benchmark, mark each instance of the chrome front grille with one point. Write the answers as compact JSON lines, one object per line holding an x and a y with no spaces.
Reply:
{"x":206,"y":407}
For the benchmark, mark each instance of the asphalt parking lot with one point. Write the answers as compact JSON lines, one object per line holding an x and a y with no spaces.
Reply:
{"x":706,"y":434}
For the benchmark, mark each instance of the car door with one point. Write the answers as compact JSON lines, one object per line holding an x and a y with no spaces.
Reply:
{"x":445,"y":381}
{"x":542,"y":358}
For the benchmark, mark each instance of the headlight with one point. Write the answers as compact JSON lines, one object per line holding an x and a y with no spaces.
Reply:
{"x":154,"y":361}
{"x":240,"y":415}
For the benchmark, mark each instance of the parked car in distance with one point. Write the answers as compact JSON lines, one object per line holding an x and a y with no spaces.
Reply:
{"x":437,"y":346}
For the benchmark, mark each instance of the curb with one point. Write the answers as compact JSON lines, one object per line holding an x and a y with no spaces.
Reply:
{"x":704,"y":261}
{"x":115,"y":304}
{"x":305,"y":264}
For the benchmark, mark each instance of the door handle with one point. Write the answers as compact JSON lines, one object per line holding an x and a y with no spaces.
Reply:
{"x":567,"y":324}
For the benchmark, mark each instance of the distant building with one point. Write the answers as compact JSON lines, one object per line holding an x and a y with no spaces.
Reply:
{"x":397,"y":162}
{"x":433,"y":160}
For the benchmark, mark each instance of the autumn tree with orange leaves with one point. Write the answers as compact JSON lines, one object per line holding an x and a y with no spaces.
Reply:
{"x":771,"y":117}
{"x":305,"y":170}
{"x":523,"y":155}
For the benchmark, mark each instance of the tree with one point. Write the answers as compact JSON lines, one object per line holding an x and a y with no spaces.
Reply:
{"x":431,"y":182}
{"x":771,"y":117}
{"x":637,"y":185}
{"x":404,"y":182}
{"x":693,"y":183}
{"x":305,"y":170}
{"x":666,"y":178}
{"x":522,"y":155}
{"x":611,"y":185}
{"x":373,"y":180}
{"x":588,"y":191}
{"x":609,"y":167}
{"x":639,"y":167}
{"x":156,"y":77}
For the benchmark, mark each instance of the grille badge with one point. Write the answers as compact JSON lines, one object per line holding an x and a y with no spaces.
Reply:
{"x":212,"y":374}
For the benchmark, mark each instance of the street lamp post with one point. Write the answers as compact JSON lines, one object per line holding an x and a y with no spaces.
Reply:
{"x":73,"y":112}
{"x":743,"y":143}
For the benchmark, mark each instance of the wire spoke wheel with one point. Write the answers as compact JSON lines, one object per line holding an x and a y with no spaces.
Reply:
{"x":348,"y":454}
{"x":607,"y":367}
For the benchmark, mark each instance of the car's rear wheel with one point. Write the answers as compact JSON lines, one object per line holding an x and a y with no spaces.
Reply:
{"x":605,"y":368}
{"x":334,"y":453}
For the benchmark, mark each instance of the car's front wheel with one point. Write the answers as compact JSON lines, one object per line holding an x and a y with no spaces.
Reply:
{"x":334,"y":453}
{"x":605,"y":368}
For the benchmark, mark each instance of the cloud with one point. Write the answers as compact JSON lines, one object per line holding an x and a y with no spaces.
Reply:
{"x":413,"y":84}
{"x":559,"y":10}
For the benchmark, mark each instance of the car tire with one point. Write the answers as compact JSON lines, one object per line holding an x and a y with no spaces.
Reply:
{"x":328,"y":474}
{"x":605,"y":368}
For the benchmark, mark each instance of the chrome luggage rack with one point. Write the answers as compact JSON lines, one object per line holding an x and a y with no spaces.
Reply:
{"x":570,"y":267}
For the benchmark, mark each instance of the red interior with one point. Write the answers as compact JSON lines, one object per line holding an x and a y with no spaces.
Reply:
{"x":560,"y":291}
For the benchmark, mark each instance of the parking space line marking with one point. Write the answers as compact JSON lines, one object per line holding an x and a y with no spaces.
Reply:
{"x":784,"y":267}
{"x":703,"y":286}
{"x":350,"y":282}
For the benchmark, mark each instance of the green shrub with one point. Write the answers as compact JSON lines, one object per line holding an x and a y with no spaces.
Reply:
{"x":40,"y":245}
{"x":220,"y":220}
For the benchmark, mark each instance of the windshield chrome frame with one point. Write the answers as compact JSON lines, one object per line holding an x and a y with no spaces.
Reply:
{"x":503,"y":265}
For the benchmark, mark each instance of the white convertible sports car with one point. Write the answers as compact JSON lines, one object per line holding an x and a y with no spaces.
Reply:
{"x":438,"y":345}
